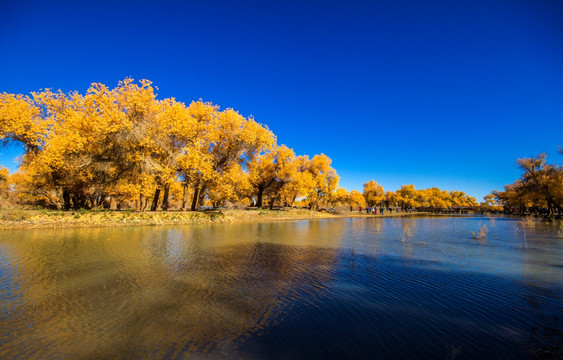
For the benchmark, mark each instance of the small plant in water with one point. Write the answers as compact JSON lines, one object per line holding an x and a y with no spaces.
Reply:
{"x":482,"y":233}
{"x":492,"y":221}
{"x":523,"y":225}
{"x":453,"y":352}
{"x":407,"y":232}
{"x":530,"y":221}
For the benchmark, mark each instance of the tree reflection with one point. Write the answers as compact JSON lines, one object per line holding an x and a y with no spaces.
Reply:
{"x":160,"y":292}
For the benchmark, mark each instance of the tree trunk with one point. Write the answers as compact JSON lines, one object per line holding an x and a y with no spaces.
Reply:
{"x":313,"y":205}
{"x":142,"y":202}
{"x":165,"y":197}
{"x":195,"y":199}
{"x":185,"y":197}
{"x":201,"y":196}
{"x":259,"y":198}
{"x":66,"y":200}
{"x":154,"y":205}
{"x":78,"y":202}
{"x":550,"y":208}
{"x":113,"y":204}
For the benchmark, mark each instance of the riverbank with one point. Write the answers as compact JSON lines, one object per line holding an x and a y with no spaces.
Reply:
{"x":35,"y":219}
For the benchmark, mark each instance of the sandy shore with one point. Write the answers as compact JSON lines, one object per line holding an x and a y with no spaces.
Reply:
{"x":35,"y":219}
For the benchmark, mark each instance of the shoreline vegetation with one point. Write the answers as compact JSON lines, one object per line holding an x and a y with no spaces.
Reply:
{"x":45,"y":219}
{"x":125,"y":149}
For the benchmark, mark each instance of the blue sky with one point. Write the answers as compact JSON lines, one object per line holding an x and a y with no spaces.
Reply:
{"x":430,"y":93}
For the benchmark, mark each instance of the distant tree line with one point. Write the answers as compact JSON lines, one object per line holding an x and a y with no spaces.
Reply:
{"x":407,"y":197}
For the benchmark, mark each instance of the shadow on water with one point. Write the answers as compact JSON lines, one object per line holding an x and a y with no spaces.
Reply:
{"x":388,"y":308}
{"x":250,"y":292}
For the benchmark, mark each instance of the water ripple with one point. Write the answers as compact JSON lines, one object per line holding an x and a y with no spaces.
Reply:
{"x":324,"y":289}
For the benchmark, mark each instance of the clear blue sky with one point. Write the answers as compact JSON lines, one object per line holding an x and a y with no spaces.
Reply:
{"x":433,"y":93}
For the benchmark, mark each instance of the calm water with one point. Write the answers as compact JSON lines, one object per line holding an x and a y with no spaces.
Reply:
{"x":343,"y":288}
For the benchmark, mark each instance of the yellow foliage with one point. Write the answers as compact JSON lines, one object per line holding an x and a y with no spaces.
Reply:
{"x":540,"y":186}
{"x":124,"y":144}
{"x":373,"y":193}
{"x":356,"y":199}
{"x":21,"y":120}
{"x":4,"y":185}
{"x":322,"y":182}
{"x":340,"y":197}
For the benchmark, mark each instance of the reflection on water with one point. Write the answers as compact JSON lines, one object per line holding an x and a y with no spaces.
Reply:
{"x":344,"y":288}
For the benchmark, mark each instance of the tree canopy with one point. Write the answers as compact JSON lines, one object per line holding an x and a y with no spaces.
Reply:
{"x":124,"y":146}
{"x":539,"y":189}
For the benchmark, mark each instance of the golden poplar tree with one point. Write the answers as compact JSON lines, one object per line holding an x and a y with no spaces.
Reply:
{"x":374,"y":194}
{"x":271,"y":172}
{"x":539,"y":187}
{"x":324,"y":180}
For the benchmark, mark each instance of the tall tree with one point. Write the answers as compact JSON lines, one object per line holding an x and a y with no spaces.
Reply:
{"x":373,"y":193}
{"x":271,"y":172}
{"x":406,"y":196}
{"x":540,"y":186}
{"x":231,"y":140}
{"x":324,"y":180}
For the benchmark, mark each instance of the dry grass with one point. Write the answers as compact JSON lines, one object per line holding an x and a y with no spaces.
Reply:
{"x":407,"y":232}
{"x":481,"y":233}
{"x":523,"y":225}
{"x":31,"y":219}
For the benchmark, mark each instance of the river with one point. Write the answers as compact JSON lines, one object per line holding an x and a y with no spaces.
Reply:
{"x":355,"y":288}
